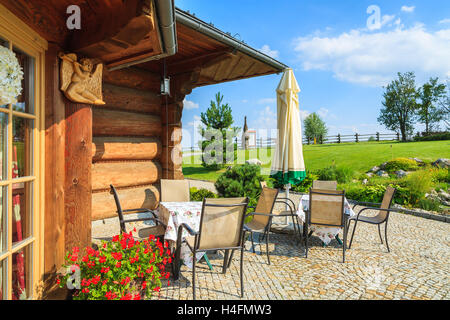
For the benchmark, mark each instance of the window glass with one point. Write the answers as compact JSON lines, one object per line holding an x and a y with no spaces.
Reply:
{"x":22,"y":147}
{"x":25,"y":102}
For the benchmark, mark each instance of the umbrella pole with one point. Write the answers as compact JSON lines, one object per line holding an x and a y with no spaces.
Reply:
{"x":288,"y":186}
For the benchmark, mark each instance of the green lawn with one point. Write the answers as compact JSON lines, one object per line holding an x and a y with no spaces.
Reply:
{"x":359,"y":156}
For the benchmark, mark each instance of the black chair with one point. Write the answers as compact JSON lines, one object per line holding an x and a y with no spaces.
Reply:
{"x":380,"y":218}
{"x":158,"y":230}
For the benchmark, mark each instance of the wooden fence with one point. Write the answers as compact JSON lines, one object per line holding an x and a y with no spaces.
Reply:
{"x":339,"y":138}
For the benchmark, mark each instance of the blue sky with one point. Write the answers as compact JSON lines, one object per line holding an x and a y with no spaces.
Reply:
{"x":340,"y":60}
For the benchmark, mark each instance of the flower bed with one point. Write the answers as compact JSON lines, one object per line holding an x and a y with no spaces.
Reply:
{"x":121,"y":269}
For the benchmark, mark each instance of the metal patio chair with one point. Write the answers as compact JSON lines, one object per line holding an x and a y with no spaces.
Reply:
{"x":262,"y":217}
{"x":158,"y":230}
{"x":326,"y":208}
{"x":324,"y":185}
{"x":221,"y":228}
{"x":381,"y":217}
{"x":175,"y":191}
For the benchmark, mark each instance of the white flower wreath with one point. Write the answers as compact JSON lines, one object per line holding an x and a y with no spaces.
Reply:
{"x":11,"y":76}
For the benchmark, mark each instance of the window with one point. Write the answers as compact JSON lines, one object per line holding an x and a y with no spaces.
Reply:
{"x":21,"y":132}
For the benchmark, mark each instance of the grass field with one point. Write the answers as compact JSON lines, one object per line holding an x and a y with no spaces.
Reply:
{"x":359,"y":156}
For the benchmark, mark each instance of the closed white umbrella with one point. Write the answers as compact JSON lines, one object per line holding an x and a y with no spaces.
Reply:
{"x":288,"y":166}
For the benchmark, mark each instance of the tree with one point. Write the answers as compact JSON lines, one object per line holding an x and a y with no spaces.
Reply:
{"x":314,"y":127}
{"x":428,"y":110}
{"x":444,"y":106}
{"x":217,"y":145}
{"x":398,"y":113}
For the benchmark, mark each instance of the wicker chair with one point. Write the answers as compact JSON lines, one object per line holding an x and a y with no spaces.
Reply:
{"x":221,"y":228}
{"x":381,"y":217}
{"x":324,"y":185}
{"x":175,"y":190}
{"x":158,"y":230}
{"x":326,"y":208}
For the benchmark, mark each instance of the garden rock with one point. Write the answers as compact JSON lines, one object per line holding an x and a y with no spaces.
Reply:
{"x":383,"y":174}
{"x":418,"y":161}
{"x":369,"y":174}
{"x":442,"y":163}
{"x":254,"y":161}
{"x":400,"y":173}
{"x":444,"y":195}
{"x":383,"y":165}
{"x":365,"y":181}
{"x":374,"y":169}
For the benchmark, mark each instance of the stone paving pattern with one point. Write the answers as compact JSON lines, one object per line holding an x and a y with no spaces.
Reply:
{"x":416,"y":268}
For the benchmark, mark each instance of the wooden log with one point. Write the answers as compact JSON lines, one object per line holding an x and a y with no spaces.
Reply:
{"x":171,"y":135}
{"x":54,"y":217}
{"x":173,"y":174}
{"x":119,"y":123}
{"x":172,"y":157}
{"x":134,"y":78}
{"x":127,"y":99}
{"x":78,"y":164}
{"x":124,"y":174}
{"x":104,"y":206}
{"x":125,"y":148}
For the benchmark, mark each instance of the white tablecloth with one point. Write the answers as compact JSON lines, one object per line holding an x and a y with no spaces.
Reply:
{"x":326,"y":234}
{"x":173,"y":214}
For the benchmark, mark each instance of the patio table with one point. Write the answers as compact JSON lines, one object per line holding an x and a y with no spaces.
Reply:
{"x":173,"y":214}
{"x":326,"y":234}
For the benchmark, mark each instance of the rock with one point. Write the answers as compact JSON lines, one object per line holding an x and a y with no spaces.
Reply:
{"x":444,"y":195}
{"x":369,"y":174}
{"x":418,"y":161}
{"x":374,"y":169}
{"x":254,"y":161}
{"x":365,"y":181}
{"x":383,"y":174}
{"x":441,"y":163}
{"x":383,"y":165}
{"x":400,"y":173}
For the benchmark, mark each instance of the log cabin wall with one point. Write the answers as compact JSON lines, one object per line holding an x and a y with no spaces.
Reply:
{"x":126,"y":142}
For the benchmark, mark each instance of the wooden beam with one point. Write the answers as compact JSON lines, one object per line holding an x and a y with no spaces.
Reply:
{"x":125,"y":148}
{"x":134,"y":78}
{"x":54,"y":217}
{"x":118,"y":123}
{"x":103,"y":205}
{"x":124,"y":174}
{"x":78,"y":164}
{"x":127,"y":99}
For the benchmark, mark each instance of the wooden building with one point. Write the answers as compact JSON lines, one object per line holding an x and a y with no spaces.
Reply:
{"x":59,"y":157}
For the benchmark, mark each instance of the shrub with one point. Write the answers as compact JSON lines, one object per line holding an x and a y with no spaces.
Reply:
{"x":375,"y":193}
{"x":401,"y":164}
{"x":429,"y":205}
{"x":339,"y":174}
{"x":418,"y":183}
{"x":122,"y":269}
{"x":306,"y":184}
{"x":241,"y":181}
{"x":200,"y":194}
{"x":434,"y":137}
{"x":440,"y":175}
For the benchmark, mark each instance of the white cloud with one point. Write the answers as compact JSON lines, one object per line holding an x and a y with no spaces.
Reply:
{"x":408,"y":9}
{"x":386,"y":19}
{"x":444,"y":21}
{"x":267,"y":101}
{"x":374,"y":58}
{"x":323,"y":112}
{"x":195,"y":123}
{"x":266,"y":119}
{"x":271,"y":53}
{"x":304,"y":114}
{"x":189,"y":105}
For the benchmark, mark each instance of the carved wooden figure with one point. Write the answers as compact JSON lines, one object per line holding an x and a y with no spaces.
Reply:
{"x":78,"y":80}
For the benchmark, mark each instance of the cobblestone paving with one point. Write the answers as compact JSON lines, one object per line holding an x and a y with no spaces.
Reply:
{"x":416,"y":268}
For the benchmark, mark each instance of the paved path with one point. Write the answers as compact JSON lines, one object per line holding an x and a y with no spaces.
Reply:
{"x":416,"y":268}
